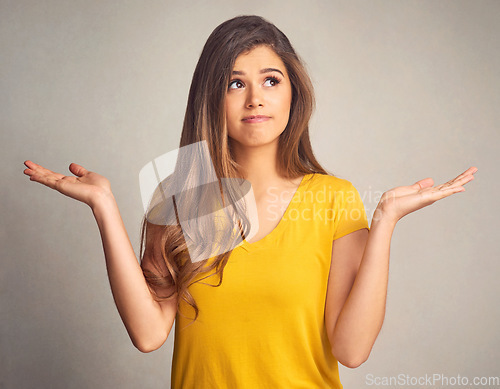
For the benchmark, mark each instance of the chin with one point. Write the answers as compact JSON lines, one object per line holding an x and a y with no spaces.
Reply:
{"x":254,"y":142}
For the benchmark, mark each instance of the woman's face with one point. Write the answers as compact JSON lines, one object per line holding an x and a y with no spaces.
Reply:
{"x":258,"y":99}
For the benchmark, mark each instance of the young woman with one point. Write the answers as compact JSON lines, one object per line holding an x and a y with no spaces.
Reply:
{"x":309,"y":288}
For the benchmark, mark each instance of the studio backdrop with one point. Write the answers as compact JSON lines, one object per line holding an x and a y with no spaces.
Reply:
{"x":405,"y":90}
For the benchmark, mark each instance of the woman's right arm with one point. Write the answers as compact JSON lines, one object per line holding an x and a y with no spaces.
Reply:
{"x":148,"y":322}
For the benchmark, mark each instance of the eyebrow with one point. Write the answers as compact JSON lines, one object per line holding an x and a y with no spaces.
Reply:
{"x":266,"y":70}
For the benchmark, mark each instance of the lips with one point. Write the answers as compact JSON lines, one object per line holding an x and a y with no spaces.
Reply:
{"x":255,"y":118}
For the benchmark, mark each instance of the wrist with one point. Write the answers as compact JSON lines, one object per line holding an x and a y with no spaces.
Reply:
{"x":101,"y":200}
{"x":383,"y":218}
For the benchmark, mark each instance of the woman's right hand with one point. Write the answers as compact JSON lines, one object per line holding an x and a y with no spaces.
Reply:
{"x":87,"y":187}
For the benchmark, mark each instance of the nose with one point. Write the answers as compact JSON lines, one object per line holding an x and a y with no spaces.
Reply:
{"x":254,"y":97}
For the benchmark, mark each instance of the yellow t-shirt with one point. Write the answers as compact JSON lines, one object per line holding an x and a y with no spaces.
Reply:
{"x":264,"y":326}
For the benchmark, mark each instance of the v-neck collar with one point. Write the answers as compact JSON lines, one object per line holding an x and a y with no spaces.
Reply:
{"x":294,"y":203}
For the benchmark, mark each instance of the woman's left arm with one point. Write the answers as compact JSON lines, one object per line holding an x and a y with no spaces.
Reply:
{"x":357,"y":285}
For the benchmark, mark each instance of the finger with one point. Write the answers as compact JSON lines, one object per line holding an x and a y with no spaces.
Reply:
{"x":35,"y":169}
{"x":77,"y":170}
{"x":458,"y":181}
{"x":445,"y":192}
{"x":31,"y":167}
{"x":462,"y":181}
{"x":425,"y":183}
{"x":45,"y":179}
{"x":470,"y":171}
{"x":29,"y":163}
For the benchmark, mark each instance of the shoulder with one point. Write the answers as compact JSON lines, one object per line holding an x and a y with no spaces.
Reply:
{"x":334,"y":191}
{"x":329,"y":183}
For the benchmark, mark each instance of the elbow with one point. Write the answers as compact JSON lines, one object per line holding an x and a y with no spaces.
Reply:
{"x":352,"y":363}
{"x":148,"y":346}
{"x":149,"y":340}
{"x":351,"y":360}
{"x":145,"y":349}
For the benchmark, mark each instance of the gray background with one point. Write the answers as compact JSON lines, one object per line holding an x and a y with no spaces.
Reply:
{"x":405,"y":90}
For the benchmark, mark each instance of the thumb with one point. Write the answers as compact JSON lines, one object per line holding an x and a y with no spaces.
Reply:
{"x":425,"y":183}
{"x":77,"y":170}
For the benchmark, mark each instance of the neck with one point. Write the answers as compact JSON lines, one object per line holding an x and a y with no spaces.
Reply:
{"x":259,"y":164}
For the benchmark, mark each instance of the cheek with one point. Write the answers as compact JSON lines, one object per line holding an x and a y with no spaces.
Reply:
{"x":286,"y":105}
{"x":230,"y":111}
{"x":231,"y":118}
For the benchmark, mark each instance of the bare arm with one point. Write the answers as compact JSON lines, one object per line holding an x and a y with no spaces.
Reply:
{"x":357,"y":287}
{"x":357,"y":291}
{"x":147,"y":321}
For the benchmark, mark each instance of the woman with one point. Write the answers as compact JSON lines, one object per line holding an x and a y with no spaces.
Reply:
{"x":309,"y":288}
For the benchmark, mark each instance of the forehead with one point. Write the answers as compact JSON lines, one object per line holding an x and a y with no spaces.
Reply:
{"x":258,"y":58}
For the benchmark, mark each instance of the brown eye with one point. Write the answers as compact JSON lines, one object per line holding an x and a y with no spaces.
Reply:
{"x":235,"y":82}
{"x":273,"y":80}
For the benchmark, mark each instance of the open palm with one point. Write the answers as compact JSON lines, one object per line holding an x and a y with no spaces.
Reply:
{"x":85,"y":186}
{"x":401,"y":201}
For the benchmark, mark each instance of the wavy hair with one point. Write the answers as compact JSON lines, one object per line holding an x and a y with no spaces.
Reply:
{"x":205,"y":120}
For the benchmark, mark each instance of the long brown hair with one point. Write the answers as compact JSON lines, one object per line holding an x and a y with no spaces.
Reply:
{"x":205,"y":121}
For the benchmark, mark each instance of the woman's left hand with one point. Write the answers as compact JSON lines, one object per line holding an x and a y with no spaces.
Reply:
{"x":401,"y":201}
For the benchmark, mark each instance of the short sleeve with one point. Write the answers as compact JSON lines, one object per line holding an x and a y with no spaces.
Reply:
{"x":350,"y":212}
